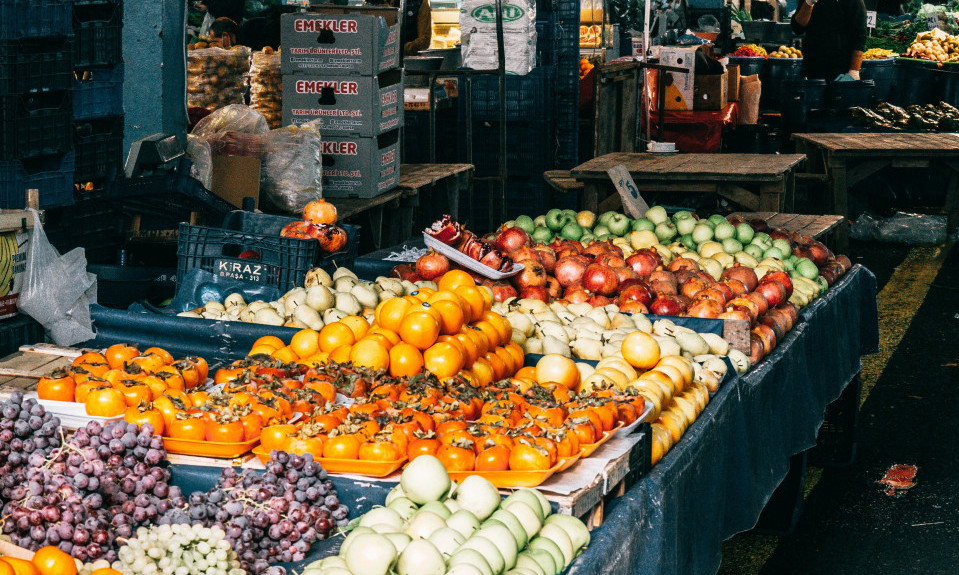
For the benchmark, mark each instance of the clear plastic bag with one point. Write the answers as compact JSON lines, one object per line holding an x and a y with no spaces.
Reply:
{"x":198,"y":150}
{"x":902,"y":228}
{"x":292,"y":168}
{"x":266,"y":87}
{"x":216,"y":77}
{"x":233,"y":131}
{"x":57,"y":290}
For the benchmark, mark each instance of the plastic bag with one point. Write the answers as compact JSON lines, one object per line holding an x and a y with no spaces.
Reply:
{"x":216,"y":77}
{"x":233,"y":131}
{"x":903,"y":228}
{"x":57,"y":290}
{"x":292,"y":168}
{"x":266,"y":87}
{"x":201,"y":158}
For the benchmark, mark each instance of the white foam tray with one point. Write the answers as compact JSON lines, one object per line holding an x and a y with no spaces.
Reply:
{"x":467,"y":262}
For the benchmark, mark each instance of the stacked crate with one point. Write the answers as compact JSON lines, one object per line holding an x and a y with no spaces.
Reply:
{"x":97,"y":94}
{"x":340,"y":68}
{"x":36,"y":52}
{"x":565,"y":14}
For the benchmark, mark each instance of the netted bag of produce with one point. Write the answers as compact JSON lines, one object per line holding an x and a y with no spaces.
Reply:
{"x":216,"y":77}
{"x":266,"y":86}
{"x":292,"y":169}
{"x":233,"y":131}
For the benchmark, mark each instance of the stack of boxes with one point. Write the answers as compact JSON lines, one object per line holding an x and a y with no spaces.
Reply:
{"x":340,"y":68}
{"x":36,"y":75}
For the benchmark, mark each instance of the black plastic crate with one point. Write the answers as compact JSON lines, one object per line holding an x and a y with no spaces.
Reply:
{"x":92,"y":224}
{"x":416,"y":137}
{"x":35,"y":18}
{"x":97,"y":29}
{"x":98,"y":92}
{"x":839,"y":434}
{"x":53,"y":177}
{"x":98,"y":144}
{"x":33,"y":64}
{"x":527,"y":98}
{"x":17,"y":331}
{"x":548,"y":35}
{"x":119,"y":286}
{"x":35,"y":124}
{"x":529,"y":148}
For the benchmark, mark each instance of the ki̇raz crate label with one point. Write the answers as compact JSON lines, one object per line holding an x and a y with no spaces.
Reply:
{"x":244,"y":270}
{"x":13,"y":264}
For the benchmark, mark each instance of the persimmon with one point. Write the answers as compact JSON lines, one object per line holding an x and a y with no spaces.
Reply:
{"x":525,"y":457}
{"x":191,"y":428}
{"x":119,"y":354}
{"x":370,"y":353}
{"x":495,"y":458}
{"x":419,"y":329}
{"x":379,"y":449}
{"x":224,"y":431}
{"x":58,"y":386}
{"x":142,"y":414}
{"x":345,"y":446}
{"x":105,"y":402}
{"x":457,"y":457}
{"x":274,"y":437}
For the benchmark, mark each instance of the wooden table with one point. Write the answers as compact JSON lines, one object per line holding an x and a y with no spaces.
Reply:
{"x":443,"y":182}
{"x":723,"y":174}
{"x":843,"y":160}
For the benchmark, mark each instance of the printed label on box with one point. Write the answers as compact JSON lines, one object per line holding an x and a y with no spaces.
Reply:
{"x":362,"y":41}
{"x":345,"y":105}
{"x":244,"y":270}
{"x":13,"y":264}
{"x":360,"y":167}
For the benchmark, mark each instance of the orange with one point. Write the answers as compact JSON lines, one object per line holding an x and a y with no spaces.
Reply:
{"x":487,"y":294}
{"x":664,"y":380}
{"x":390,"y":312}
{"x":305,"y":342}
{"x":451,"y":316}
{"x":285,"y":354}
{"x":378,"y":337}
{"x":474,"y":299}
{"x":480,"y":338}
{"x":387,"y":333}
{"x":106,"y":571}
{"x":270,"y":340}
{"x":370,"y":353}
{"x":419,"y":329}
{"x":321,"y":358}
{"x":507,"y":359}
{"x":357,"y":325}
{"x":262,"y":350}
{"x":455,"y":279}
{"x":516,"y":350}
{"x":20,"y":566}
{"x":405,"y":360}
{"x":641,"y":350}
{"x":555,"y":368}
{"x":455,"y":343}
{"x":528,"y":372}
{"x":443,"y":360}
{"x":445,"y":295}
{"x":341,"y":354}
{"x":680,"y":363}
{"x":51,"y":561}
{"x":469,"y":346}
{"x":674,"y":374}
{"x":423,"y":293}
{"x":424,"y":307}
{"x":334,"y":335}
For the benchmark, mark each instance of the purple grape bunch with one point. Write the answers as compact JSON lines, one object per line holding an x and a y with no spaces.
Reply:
{"x":100,"y":484}
{"x":268,"y":517}
{"x":27,"y":433}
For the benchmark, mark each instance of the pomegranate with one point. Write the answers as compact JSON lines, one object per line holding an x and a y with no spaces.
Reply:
{"x":600,"y":279}
{"x":432,"y":265}
{"x":756,"y":349}
{"x":742,"y":273}
{"x":705,"y":307}
{"x":818,"y":253}
{"x":693,"y":287}
{"x":611,"y":260}
{"x":780,"y":234}
{"x":534,"y":293}
{"x":599,"y":300}
{"x":746,"y":305}
{"x":735,"y":287}
{"x":767,"y":335}
{"x":791,"y":312}
{"x":666,"y":305}
{"x":576,"y":295}
{"x":597,"y":249}
{"x":774,"y":319}
{"x":663,"y":275}
{"x":502,"y":291}
{"x":723,"y":289}
{"x":783,"y":279}
{"x":553,"y":288}
{"x":735,"y":314}
{"x":511,"y":239}
{"x":402,"y":271}
{"x":319,"y":212}
{"x":642,"y":263}
{"x":714,"y":295}
{"x":569,"y":271}
{"x":760,"y":300}
{"x":614,"y":249}
{"x":633,"y":306}
{"x":533,"y":275}
{"x":547,"y":257}
{"x":844,"y":262}
{"x":682,"y":264}
{"x":663,"y":288}
{"x":773,"y":292}
{"x":624,"y":274}
{"x":523,"y":254}
{"x":638,"y":291}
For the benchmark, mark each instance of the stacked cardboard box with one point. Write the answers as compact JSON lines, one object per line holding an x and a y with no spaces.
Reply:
{"x":340,"y":68}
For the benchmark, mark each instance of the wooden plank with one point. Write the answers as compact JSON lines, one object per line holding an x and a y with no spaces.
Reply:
{"x":51,"y":364}
{"x":562,"y":181}
{"x":736,"y":332}
{"x":348,"y":207}
{"x":709,"y":167}
{"x":781,"y":220}
{"x":215,"y":462}
{"x":58,"y":350}
{"x":740,"y":196}
{"x":417,"y":176}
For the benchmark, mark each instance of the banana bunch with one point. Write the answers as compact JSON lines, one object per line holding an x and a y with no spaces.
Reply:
{"x":324,"y":299}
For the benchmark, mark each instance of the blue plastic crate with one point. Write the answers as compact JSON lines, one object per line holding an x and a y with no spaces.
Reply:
{"x":97,"y":29}
{"x":53,"y":177}
{"x":35,"y":64}
{"x":528,"y":98}
{"x":98,"y":93}
{"x":529,"y":148}
{"x":19,"y":330}
{"x":98,"y":144}
{"x":35,"y":124}
{"x":548,"y":34}
{"x":35,"y":18}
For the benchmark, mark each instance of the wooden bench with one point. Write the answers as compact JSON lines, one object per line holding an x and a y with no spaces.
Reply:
{"x":563,"y":182}
{"x":830,"y":230}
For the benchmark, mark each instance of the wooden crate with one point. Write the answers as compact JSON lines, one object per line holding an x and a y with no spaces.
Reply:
{"x":22,"y":370}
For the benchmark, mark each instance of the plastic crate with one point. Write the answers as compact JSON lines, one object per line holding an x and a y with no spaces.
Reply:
{"x":53,"y":177}
{"x":548,"y":35}
{"x":19,"y":330}
{"x":416,"y":134}
{"x":529,"y":148}
{"x":98,"y":144}
{"x":839,"y":434}
{"x":35,"y":124}
{"x":35,"y":18}
{"x":92,"y":224}
{"x":121,"y":286}
{"x":33,"y":64}
{"x":528,"y":98}
{"x":99,"y":93}
{"x":97,"y":30}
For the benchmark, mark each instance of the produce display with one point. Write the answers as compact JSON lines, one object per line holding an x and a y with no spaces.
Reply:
{"x":895,"y":36}
{"x":453,"y":234}
{"x":590,"y":36}
{"x":319,"y":223}
{"x":48,"y":560}
{"x":750,"y":51}
{"x":585,"y":66}
{"x":432,"y":525}
{"x":785,"y":52}
{"x":166,"y":549}
{"x":266,"y":86}
{"x":878,"y":54}
{"x":216,"y":77}
{"x":942,"y":117}
{"x":934,"y":45}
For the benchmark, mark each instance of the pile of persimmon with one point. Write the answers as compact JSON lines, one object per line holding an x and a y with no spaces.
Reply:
{"x":318,"y":223}
{"x":449,"y":332}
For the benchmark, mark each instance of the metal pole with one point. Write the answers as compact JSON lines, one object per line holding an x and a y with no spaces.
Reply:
{"x":432,"y":106}
{"x":501,"y":53}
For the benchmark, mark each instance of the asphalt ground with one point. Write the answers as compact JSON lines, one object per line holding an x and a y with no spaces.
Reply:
{"x":849,"y":525}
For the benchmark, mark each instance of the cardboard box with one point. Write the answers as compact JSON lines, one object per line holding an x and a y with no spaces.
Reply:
{"x":360,"y":167}
{"x":679,"y":87}
{"x":732,"y":83}
{"x":710,"y":91}
{"x":235,"y":178}
{"x":13,"y":264}
{"x":338,"y":41}
{"x":345,"y":105}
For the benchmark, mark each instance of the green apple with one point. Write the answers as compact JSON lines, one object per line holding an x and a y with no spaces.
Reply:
{"x":788,"y":265}
{"x":773,"y":252}
{"x":717,"y":219}
{"x":657,"y":214}
{"x":606,"y":237}
{"x":685,"y":225}
{"x":732,"y":245}
{"x":508,"y":224}
{"x":586,"y":219}
{"x":643,"y":224}
{"x":688,"y":241}
{"x":807,"y":269}
{"x":762,"y":236}
{"x":682,"y":215}
{"x":600,"y":230}
{"x":525,"y":223}
{"x":556,"y":219}
{"x":618,"y":225}
{"x":744,"y":233}
{"x":541,"y":235}
{"x":702,"y":233}
{"x":665,"y":232}
{"x":571,"y":231}
{"x":745,"y":259}
{"x":724,"y":231}
{"x":783,"y":245}
{"x":604,"y":217}
{"x":753,"y":250}
{"x":587,"y":237}
{"x":539,"y":221}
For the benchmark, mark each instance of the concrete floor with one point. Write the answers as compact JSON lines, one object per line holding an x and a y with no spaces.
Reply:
{"x":849,"y":525}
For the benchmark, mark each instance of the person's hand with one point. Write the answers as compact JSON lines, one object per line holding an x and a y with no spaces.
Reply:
{"x":854,"y":74}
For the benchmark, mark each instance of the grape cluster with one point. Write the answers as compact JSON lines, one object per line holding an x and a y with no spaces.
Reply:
{"x":268,"y":517}
{"x":100,"y":484}
{"x":26,"y":430}
{"x":186,"y":549}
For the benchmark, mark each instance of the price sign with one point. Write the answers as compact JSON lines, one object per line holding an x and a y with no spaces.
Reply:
{"x":932,"y":20}
{"x":870,"y":19}
{"x":632,"y":201}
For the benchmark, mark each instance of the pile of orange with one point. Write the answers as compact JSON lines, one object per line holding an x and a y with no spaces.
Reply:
{"x":48,"y":560}
{"x":448,"y":331}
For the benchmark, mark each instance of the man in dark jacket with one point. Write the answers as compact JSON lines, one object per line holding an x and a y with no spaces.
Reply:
{"x":835,"y":37}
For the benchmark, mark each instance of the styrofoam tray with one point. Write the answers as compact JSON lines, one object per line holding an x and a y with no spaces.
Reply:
{"x":73,"y":414}
{"x":468,"y":262}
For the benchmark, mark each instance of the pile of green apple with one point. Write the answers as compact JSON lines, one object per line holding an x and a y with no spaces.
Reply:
{"x":582,"y":226}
